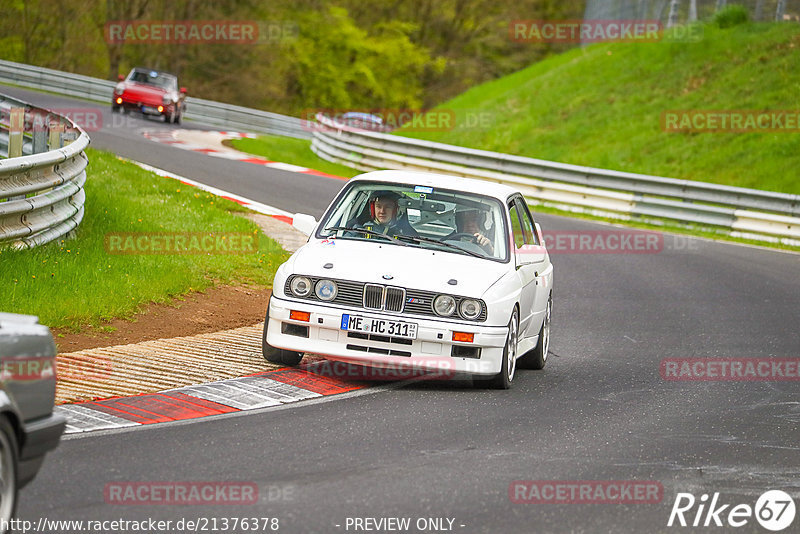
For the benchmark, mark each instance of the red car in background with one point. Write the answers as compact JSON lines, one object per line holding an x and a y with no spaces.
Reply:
{"x":151,"y":92}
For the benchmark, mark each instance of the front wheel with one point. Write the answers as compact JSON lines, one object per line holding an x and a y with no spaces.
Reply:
{"x":276,"y":355}
{"x":537,"y":357}
{"x":503,"y":379}
{"x":8,"y":471}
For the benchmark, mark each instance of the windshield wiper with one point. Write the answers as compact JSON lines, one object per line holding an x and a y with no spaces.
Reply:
{"x":421,"y":239}
{"x":368,"y":232}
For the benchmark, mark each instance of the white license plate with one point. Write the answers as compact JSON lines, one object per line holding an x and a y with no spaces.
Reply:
{"x":383,"y":327}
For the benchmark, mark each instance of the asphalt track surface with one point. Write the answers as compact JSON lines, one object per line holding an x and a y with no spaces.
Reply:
{"x":599,"y":411}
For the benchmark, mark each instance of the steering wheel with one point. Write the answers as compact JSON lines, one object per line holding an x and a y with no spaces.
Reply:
{"x":462,"y":236}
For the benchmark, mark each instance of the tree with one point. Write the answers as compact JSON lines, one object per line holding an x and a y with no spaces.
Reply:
{"x":672,"y":19}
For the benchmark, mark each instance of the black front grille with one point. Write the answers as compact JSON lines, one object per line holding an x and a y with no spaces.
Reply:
{"x":373,"y":297}
{"x":395,"y":299}
{"x":379,"y":297}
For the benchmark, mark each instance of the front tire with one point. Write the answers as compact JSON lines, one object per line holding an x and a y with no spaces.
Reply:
{"x":537,"y":358}
{"x":276,"y":355}
{"x":9,"y":469}
{"x":503,"y":379}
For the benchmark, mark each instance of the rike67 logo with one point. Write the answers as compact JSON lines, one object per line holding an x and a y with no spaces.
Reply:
{"x":774,"y":510}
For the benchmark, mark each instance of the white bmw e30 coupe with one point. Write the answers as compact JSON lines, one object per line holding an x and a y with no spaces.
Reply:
{"x":442,"y":274}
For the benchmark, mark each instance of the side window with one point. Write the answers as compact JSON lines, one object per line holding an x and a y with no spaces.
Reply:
{"x":528,"y":228}
{"x":516,"y":225}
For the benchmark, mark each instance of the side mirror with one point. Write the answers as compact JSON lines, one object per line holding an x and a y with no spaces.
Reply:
{"x":304,"y":223}
{"x":120,"y":77}
{"x":530,"y":254}
{"x":183,"y":90}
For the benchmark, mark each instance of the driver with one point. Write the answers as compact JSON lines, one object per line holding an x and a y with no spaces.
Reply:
{"x":383,"y":209}
{"x":468,"y":222}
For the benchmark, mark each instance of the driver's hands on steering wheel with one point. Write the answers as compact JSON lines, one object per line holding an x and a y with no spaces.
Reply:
{"x":483,"y":241}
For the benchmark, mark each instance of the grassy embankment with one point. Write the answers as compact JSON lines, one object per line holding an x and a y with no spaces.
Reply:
{"x":602,"y":106}
{"x":86,"y":280}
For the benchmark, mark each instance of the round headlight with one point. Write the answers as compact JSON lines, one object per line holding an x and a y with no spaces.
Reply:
{"x":300,"y":286}
{"x":444,"y":305}
{"x":470,"y":309}
{"x":326,"y":290}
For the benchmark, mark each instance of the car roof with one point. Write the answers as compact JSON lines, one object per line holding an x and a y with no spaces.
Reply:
{"x":444,"y":181}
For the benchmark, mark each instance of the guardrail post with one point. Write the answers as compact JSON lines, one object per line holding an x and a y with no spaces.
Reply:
{"x":56,"y":138}
{"x":16,"y":126}
{"x":39,"y":133}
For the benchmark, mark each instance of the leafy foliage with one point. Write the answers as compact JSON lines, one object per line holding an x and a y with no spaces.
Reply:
{"x":730,"y":16}
{"x":344,"y":54}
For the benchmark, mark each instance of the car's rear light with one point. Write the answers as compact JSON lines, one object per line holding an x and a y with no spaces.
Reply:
{"x":119,"y":100}
{"x":160,"y":109}
{"x":300,"y":315}
{"x":463,"y":337}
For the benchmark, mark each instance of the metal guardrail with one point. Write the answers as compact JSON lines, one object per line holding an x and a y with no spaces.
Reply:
{"x":227,"y":116}
{"x":750,"y":213}
{"x":42,"y":177}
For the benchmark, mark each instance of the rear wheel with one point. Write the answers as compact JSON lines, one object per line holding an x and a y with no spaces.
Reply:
{"x":537,"y":358}
{"x":276,"y":355}
{"x":8,"y":471}
{"x":503,"y":379}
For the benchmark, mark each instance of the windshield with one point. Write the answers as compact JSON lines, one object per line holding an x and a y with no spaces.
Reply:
{"x":159,"y":79}
{"x":420,"y":216}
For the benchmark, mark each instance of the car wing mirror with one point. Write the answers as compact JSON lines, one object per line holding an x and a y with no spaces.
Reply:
{"x":304,"y":223}
{"x":120,"y":77}
{"x":539,"y":233}
{"x":527,"y":254}
{"x":183,"y":90}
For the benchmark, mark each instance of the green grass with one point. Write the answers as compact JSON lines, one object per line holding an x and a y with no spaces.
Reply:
{"x":601,"y":106}
{"x":290,"y":150}
{"x":77,"y":282}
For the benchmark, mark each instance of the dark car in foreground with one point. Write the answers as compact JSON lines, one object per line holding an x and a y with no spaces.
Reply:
{"x":28,"y":426}
{"x":150,"y":92}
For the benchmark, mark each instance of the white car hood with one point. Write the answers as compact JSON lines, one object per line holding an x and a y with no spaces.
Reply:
{"x":409,"y":267}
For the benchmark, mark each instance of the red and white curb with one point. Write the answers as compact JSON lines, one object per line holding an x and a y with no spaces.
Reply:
{"x":262,"y":390}
{"x":210,"y":143}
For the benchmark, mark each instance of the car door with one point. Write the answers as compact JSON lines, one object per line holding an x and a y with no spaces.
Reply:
{"x":530,"y":257}
{"x":525,"y":271}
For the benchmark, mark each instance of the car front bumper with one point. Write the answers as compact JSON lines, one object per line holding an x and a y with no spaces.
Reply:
{"x":146,"y":108}
{"x":432,"y":350}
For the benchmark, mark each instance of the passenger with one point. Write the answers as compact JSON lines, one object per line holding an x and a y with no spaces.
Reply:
{"x":468,"y":221}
